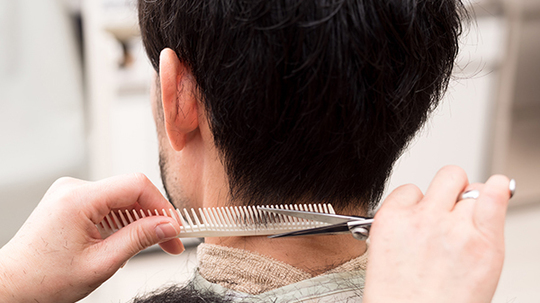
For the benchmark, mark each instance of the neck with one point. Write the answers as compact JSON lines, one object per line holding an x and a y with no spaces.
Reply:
{"x":313,"y":254}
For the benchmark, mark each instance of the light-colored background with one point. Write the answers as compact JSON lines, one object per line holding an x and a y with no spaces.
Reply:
{"x":69,"y":109}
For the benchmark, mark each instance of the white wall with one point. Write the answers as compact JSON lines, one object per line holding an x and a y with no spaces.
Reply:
{"x":41,"y":116}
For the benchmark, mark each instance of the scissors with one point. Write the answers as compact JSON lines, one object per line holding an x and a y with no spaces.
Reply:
{"x":339,"y":224}
{"x":358,"y":226}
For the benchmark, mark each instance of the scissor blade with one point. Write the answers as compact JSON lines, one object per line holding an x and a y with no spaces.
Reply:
{"x":325,"y":230}
{"x":319,"y":217}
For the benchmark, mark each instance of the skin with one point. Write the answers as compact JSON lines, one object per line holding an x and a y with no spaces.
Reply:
{"x":59,"y":256}
{"x":422,"y":249}
{"x":432,"y":249}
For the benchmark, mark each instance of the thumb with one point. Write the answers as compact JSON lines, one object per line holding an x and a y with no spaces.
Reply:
{"x":144,"y":233}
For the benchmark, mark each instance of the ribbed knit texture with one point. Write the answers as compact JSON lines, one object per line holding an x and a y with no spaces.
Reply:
{"x":252,"y":273}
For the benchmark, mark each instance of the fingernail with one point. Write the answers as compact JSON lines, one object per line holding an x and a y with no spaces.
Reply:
{"x":125,"y":263}
{"x":166,"y":231}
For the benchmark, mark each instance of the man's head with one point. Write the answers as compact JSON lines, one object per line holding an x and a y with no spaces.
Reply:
{"x":304,"y":101}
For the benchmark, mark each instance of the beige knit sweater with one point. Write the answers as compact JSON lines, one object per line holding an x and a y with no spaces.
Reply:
{"x":252,"y":273}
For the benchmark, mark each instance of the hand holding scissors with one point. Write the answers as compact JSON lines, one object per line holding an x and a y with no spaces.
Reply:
{"x":444,"y":246}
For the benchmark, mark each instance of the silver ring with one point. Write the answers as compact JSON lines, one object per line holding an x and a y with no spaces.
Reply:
{"x":512,"y":187}
{"x":470,"y":194}
{"x":474,"y":194}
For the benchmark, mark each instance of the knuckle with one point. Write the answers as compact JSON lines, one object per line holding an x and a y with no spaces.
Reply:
{"x":141,"y":238}
{"x":141,"y":179}
{"x":388,"y":214}
{"x":501,"y":177}
{"x":403,"y":196}
{"x":406,"y":187}
{"x":64,"y":181}
{"x":412,"y":190}
{"x":63,"y":189}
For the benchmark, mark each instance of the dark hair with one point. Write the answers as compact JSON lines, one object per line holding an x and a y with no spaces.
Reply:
{"x":313,"y":100}
{"x":182,"y":294}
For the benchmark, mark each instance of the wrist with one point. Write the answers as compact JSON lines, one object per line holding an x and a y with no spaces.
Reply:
{"x":8,"y":290}
{"x":16,"y":284}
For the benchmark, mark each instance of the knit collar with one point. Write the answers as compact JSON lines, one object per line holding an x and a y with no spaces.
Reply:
{"x":252,"y":273}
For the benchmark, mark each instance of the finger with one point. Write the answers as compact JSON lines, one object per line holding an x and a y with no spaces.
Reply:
{"x":464,"y":210}
{"x":474,"y":186}
{"x":490,"y":207}
{"x":141,"y":234}
{"x":120,"y":192}
{"x":444,"y":190}
{"x":173,"y":247}
{"x":404,"y":195}
{"x":467,"y":205}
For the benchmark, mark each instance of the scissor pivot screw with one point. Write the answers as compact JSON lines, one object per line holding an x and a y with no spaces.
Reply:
{"x":360,"y":233}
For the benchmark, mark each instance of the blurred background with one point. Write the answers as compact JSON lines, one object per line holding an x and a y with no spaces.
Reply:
{"x":74,"y":101}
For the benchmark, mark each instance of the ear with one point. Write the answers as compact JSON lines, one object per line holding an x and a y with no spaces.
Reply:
{"x":179,"y":99}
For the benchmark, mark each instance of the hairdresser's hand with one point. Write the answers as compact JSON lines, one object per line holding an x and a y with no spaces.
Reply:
{"x":59,"y":256}
{"x":432,"y":249}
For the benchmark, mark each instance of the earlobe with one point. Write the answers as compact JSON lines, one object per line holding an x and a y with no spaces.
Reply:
{"x":178,"y":98}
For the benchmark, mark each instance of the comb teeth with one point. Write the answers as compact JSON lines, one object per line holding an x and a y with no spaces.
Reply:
{"x":221,"y":221}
